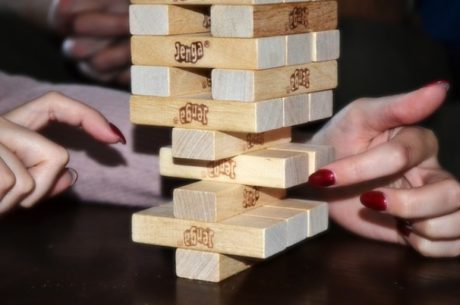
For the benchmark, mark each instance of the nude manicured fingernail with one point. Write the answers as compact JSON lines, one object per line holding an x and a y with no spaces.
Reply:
{"x":404,"y":227}
{"x":374,"y":200}
{"x":118,"y":132}
{"x":74,"y":175}
{"x":322,"y":178}
{"x":444,"y":83}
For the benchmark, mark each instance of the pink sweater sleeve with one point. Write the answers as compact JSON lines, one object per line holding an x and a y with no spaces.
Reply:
{"x":114,"y":174}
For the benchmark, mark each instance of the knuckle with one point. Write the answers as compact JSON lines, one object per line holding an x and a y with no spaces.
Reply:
{"x":60,"y":156}
{"x":26,"y":186}
{"x":425,"y":248}
{"x":428,"y":228}
{"x":405,"y":207}
{"x":454,"y":191}
{"x":7,"y":182}
{"x":399,"y":155}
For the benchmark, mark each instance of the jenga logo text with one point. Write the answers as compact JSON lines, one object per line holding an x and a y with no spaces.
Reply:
{"x":224,"y":167}
{"x":194,"y":112}
{"x":250,"y":197}
{"x":298,"y":17}
{"x":300,"y":78}
{"x":189,"y":54}
{"x":253,"y":139}
{"x":196,"y":235}
{"x":207,"y":22}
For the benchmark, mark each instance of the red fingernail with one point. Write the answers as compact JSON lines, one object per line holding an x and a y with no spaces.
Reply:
{"x":404,"y":227}
{"x":374,"y":200}
{"x":118,"y":132}
{"x":322,"y":178}
{"x":443,"y":83}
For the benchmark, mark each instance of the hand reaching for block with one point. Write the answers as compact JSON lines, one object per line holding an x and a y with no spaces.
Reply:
{"x":392,"y":168}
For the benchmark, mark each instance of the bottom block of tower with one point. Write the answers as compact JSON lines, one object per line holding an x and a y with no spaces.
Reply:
{"x":208,"y":266}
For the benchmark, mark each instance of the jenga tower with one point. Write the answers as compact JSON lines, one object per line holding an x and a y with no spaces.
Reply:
{"x":232,"y":77}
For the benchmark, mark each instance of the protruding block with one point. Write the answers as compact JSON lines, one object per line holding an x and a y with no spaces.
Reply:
{"x":326,"y":45}
{"x":209,"y":52}
{"x":318,"y":155}
{"x":215,"y":201}
{"x":242,"y":235}
{"x":196,"y":2}
{"x":249,"y":85}
{"x":207,"y":114}
{"x":312,"y":47}
{"x":169,"y":81}
{"x":304,"y":108}
{"x":271,"y":20}
{"x":268,"y":168}
{"x":214,"y":145}
{"x":161,"y":19}
{"x":208,"y":266}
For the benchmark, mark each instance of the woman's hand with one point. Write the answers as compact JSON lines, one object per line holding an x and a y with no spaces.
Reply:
{"x":31,"y":166}
{"x":392,"y":169}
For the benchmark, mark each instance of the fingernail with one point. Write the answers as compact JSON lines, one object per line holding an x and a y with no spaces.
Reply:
{"x":118,"y":132}
{"x":322,"y":178}
{"x":74,"y":175}
{"x":404,"y":227}
{"x":444,"y":83}
{"x":374,"y":200}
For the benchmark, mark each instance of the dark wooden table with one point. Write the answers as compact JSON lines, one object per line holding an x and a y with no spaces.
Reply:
{"x":68,"y":253}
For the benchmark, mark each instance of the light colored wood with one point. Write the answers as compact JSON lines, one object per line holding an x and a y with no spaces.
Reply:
{"x":269,"y":168}
{"x":209,"y":52}
{"x":318,"y":155}
{"x":211,"y":145}
{"x":241,"y":235}
{"x":208,"y":266}
{"x":299,"y":49}
{"x":215,"y":201}
{"x":248,"y":85}
{"x":318,"y":220}
{"x":271,"y":20}
{"x":312,"y":47}
{"x":304,"y":108}
{"x":203,"y":2}
{"x":326,"y":45}
{"x":207,"y":114}
{"x":161,"y":19}
{"x":169,"y":81}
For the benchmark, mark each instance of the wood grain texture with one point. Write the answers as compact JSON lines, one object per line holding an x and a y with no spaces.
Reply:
{"x":208,"y":266}
{"x":161,"y":19}
{"x":268,"y":168}
{"x":248,"y":85}
{"x":271,"y":20}
{"x":209,"y":52}
{"x":241,"y":235}
{"x":304,"y":108}
{"x":206,"y":2}
{"x":214,"y":145}
{"x":215,"y":201}
{"x":318,"y":155}
{"x":169,"y":81}
{"x":207,"y":114}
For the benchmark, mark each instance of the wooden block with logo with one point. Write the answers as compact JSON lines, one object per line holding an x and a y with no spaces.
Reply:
{"x":304,"y":108}
{"x":326,"y":45}
{"x":215,"y":201}
{"x":161,"y":19}
{"x":203,"y":2}
{"x":208,"y":266}
{"x":318,"y":155}
{"x":267,"y":168}
{"x":270,"y":20}
{"x":169,"y":81}
{"x":241,"y":235}
{"x":207,"y":114}
{"x":214,"y":145}
{"x":209,"y":52}
{"x":249,"y":85}
{"x":318,"y":220}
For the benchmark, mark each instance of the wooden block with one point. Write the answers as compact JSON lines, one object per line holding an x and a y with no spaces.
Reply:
{"x":271,"y":20}
{"x":318,"y":220}
{"x":208,"y":266}
{"x":215,"y":201}
{"x":214,"y":145}
{"x":269,"y":168}
{"x":304,"y":108}
{"x":318,"y":155}
{"x":326,"y":45}
{"x":169,"y":81}
{"x":196,"y":2}
{"x":207,"y":114}
{"x":209,"y":52}
{"x":299,"y":49}
{"x":161,"y":19}
{"x":248,"y":85}
{"x":240,"y":235}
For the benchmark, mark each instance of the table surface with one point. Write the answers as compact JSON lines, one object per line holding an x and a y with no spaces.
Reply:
{"x":68,"y":253}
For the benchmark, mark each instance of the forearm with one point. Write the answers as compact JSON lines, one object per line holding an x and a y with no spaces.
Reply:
{"x":36,"y":11}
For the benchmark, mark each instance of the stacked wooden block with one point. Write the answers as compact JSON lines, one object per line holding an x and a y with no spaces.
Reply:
{"x":232,"y":77}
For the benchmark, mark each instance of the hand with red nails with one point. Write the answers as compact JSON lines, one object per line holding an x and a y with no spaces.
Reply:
{"x":33,"y":167}
{"x":387,"y":183}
